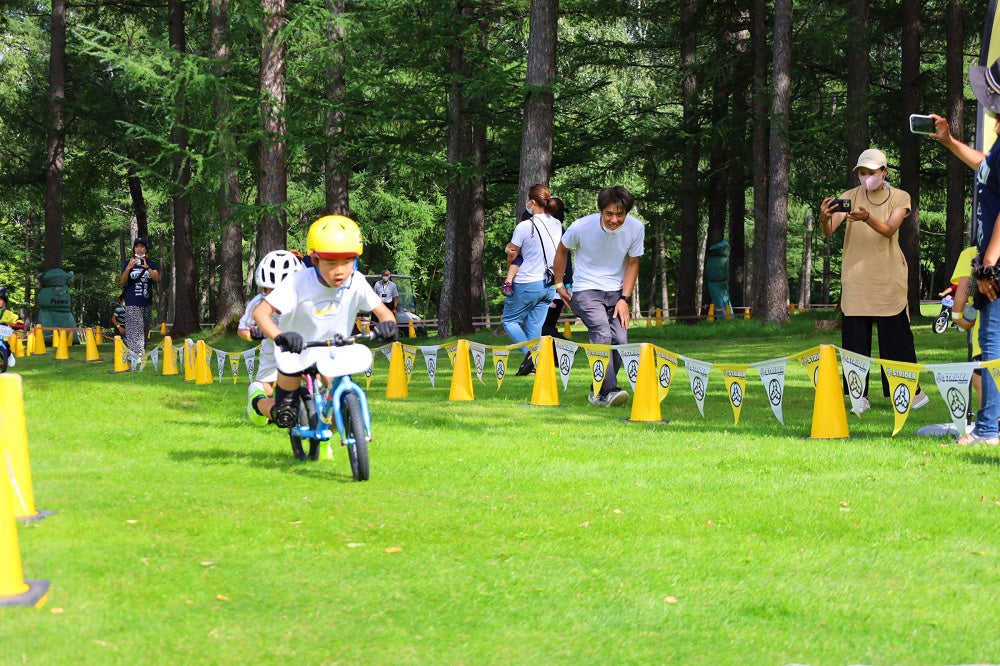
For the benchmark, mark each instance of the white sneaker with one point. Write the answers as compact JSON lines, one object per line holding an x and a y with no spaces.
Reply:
{"x":597,"y":400}
{"x":920,"y":400}
{"x":616,"y":398}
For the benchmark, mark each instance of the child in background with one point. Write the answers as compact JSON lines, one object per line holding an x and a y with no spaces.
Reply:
{"x":273,"y":269}
{"x":317,"y":304}
{"x":11,"y":319}
{"x":118,"y":316}
{"x":965,"y":315}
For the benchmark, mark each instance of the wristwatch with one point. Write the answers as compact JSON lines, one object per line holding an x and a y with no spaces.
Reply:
{"x":625,"y":298}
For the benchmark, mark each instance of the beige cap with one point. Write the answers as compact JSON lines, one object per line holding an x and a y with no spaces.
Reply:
{"x":873,"y":159}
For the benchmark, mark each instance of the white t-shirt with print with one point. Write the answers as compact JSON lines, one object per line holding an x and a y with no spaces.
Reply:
{"x":600,"y":255}
{"x":529,"y":238}
{"x":318,"y":312}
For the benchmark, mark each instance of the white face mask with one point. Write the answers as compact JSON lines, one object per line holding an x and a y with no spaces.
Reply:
{"x":527,"y":207}
{"x":385,"y":278}
{"x":873,"y":181}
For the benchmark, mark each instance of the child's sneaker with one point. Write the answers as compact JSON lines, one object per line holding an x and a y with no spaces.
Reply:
{"x":255,"y":390}
{"x":507,"y":289}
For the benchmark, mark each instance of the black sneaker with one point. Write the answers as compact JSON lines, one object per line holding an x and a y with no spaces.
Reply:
{"x":527,"y":367}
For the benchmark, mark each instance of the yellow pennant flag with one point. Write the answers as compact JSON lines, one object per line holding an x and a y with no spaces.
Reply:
{"x":599,"y":358}
{"x":993,"y":367}
{"x":809,"y":360}
{"x":500,"y":358}
{"x":234,"y":364}
{"x":666,"y":367}
{"x":368,"y":375}
{"x":736,"y":384}
{"x":409,"y":353}
{"x":902,"y":387}
{"x":452,"y":350}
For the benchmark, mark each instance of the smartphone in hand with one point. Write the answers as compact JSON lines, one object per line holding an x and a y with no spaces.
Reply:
{"x":840,"y":206}
{"x":920,"y":124}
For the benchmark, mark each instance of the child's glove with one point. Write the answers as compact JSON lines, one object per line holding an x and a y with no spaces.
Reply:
{"x":385,"y":331}
{"x":256,"y":333}
{"x":291,"y":342}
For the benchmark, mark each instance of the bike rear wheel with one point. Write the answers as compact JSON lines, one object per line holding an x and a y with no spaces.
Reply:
{"x":307,"y":419}
{"x":354,"y":428}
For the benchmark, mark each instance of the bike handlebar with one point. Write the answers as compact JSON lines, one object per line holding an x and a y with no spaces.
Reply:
{"x":339,"y":341}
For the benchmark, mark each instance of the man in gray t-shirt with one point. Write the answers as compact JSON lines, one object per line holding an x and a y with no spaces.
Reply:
{"x":606,"y":250}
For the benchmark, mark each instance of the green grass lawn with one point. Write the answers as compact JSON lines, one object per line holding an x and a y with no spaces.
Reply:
{"x":493,"y":532}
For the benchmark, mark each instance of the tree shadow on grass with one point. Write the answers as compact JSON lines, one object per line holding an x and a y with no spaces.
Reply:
{"x":328,"y":470}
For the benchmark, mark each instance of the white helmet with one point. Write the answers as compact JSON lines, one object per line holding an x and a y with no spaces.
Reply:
{"x":275,"y":267}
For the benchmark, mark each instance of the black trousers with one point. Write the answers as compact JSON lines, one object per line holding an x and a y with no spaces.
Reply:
{"x":895,"y":340}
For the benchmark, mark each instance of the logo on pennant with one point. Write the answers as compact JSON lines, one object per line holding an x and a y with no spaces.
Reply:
{"x":902,"y":387}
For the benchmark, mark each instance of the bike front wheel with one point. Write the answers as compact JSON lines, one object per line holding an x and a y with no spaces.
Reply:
{"x":941,"y":323}
{"x":354,"y":428}
{"x":307,"y":419}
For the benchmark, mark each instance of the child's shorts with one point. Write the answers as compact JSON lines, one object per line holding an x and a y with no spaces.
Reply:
{"x":267,"y":370}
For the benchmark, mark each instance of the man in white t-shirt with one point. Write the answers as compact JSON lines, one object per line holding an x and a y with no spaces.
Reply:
{"x":606,"y":250}
{"x":387,"y":291}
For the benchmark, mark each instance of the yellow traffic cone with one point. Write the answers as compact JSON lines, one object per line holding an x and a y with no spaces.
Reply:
{"x":746,"y":312}
{"x":567,"y":330}
{"x":646,"y":401}
{"x":14,"y":589}
{"x":189,"y":361}
{"x":203,"y":372}
{"x":397,"y":374}
{"x":413,"y":331}
{"x":729,"y":311}
{"x":659,"y":317}
{"x":69,"y":336}
{"x":163,"y":328}
{"x":99,"y":335}
{"x":545,"y":392}
{"x":60,"y":344}
{"x":120,"y":365}
{"x":92,"y":353}
{"x":461,"y":378}
{"x":711,"y":312}
{"x":366,"y":326}
{"x":169,"y":357}
{"x":39,"y":341}
{"x":829,"y":413}
{"x":14,"y":449}
{"x":16,"y":346}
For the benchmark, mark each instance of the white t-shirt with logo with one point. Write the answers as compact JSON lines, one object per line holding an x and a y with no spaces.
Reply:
{"x":247,"y":322}
{"x":529,"y":238}
{"x":318,"y":312}
{"x":600,"y":255}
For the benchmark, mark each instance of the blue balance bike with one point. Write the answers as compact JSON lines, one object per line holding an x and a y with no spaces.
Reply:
{"x":341,"y":403}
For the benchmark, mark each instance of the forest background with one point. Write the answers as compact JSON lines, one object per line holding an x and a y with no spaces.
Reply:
{"x":220,"y":129}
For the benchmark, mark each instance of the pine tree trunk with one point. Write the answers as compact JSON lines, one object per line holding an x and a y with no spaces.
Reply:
{"x":336,"y":177}
{"x":857,"y":131}
{"x":539,"y":100}
{"x":775,"y":284}
{"x":955,"y":239}
{"x":273,"y":183}
{"x":57,"y":139}
{"x":805,"y":277}
{"x":761,"y":97}
{"x":230,"y":301}
{"x":687,"y":264}
{"x":909,"y":148}
{"x":185,"y":271}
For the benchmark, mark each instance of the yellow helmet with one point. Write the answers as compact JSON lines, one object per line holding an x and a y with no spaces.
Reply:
{"x":334,"y":237}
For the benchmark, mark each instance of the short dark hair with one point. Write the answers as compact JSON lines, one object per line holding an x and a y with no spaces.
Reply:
{"x":616,"y":195}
